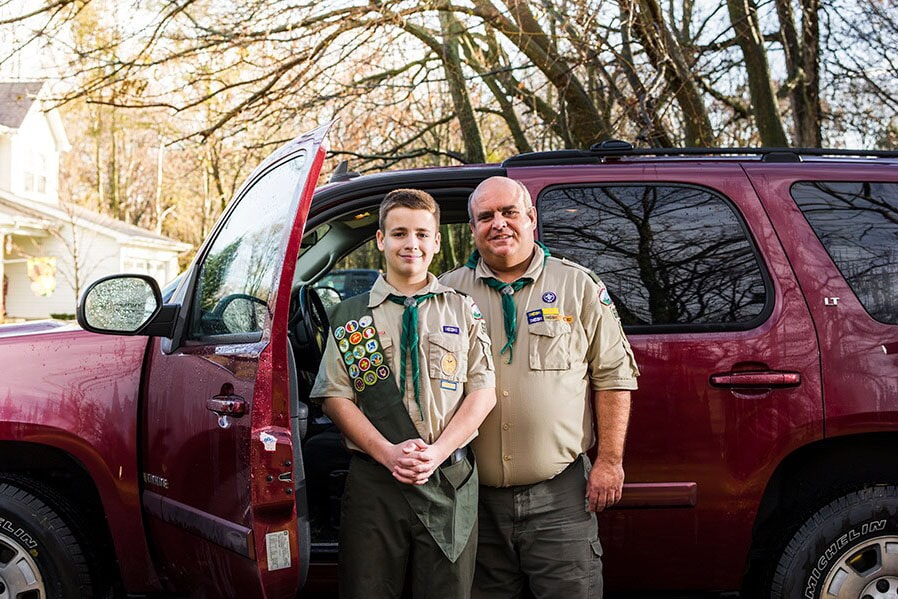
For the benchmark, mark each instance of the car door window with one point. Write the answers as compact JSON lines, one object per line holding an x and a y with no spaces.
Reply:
{"x":235,"y":280}
{"x":857,"y":223}
{"x":672,"y":256}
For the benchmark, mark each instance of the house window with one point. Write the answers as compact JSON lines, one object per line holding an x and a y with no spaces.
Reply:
{"x":36,"y":173}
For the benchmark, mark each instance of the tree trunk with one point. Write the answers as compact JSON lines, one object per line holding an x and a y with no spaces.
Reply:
{"x":803,"y":65}
{"x":666,"y":55}
{"x":451,"y":30}
{"x":744,"y":17}
{"x":581,"y":123}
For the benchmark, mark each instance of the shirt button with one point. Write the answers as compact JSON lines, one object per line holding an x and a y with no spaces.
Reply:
{"x":506,"y":457}
{"x":505,"y":394}
{"x":506,"y":426}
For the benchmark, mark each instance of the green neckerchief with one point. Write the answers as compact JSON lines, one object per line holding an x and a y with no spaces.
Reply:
{"x":509,"y":311}
{"x":409,"y":340}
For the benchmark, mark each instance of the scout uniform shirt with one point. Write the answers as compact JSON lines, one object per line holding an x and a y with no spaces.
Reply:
{"x":569,"y":341}
{"x":453,"y":354}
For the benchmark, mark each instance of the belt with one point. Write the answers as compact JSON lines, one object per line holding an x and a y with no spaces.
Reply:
{"x":454,"y":457}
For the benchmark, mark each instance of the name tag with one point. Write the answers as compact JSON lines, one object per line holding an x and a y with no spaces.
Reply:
{"x":448,"y":385}
{"x":449,"y":329}
{"x":534,"y":316}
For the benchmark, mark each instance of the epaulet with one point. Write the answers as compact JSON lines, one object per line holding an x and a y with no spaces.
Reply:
{"x":580,"y":267}
{"x":448,"y":273}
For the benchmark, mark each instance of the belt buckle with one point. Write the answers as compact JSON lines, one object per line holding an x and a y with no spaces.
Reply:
{"x":456,"y":456}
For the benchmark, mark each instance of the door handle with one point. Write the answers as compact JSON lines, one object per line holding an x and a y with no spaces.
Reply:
{"x":227,"y":405}
{"x":756,"y":380}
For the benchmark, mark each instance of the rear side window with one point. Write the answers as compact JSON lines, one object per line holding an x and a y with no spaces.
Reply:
{"x":858,"y":225}
{"x":671,"y":256}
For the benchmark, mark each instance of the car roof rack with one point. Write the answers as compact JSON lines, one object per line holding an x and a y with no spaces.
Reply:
{"x":613,"y":149}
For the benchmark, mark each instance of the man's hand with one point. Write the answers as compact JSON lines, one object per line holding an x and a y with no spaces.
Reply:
{"x":605,"y":485}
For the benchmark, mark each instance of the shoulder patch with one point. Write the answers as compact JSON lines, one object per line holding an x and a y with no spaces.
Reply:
{"x":475,"y":311}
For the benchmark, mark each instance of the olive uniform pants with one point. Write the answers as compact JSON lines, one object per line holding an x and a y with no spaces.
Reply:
{"x":541,"y":534}
{"x":381,"y":537}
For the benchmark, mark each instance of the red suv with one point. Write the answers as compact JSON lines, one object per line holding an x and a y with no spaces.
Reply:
{"x":759,"y":289}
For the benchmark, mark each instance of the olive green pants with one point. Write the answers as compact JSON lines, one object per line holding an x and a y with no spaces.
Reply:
{"x":539,"y":537}
{"x":382,"y":543}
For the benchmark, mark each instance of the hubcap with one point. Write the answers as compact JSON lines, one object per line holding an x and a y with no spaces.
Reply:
{"x":869,"y":571}
{"x":19,"y":573}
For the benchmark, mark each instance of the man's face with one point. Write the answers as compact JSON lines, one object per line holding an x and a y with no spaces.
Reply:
{"x":502,"y":224}
{"x":409,"y":241}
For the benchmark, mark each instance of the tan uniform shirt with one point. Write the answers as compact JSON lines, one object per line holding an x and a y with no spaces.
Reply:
{"x":453,"y":355}
{"x":569,"y":342}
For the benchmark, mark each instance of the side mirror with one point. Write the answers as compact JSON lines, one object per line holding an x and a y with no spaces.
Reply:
{"x":125,"y":305}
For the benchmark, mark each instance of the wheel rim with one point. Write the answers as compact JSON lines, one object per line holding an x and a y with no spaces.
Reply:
{"x":19,"y":574}
{"x":868,"y":571}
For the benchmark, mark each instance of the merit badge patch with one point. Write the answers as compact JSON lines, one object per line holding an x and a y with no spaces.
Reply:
{"x":359,"y":385}
{"x":352,"y":326}
{"x":382,"y":372}
{"x":348,"y":357}
{"x":377,"y":358}
{"x":339,"y":333}
{"x":549,"y":297}
{"x":343,"y":345}
{"x":448,"y":385}
{"x":365,"y":321}
{"x":449,"y":364}
{"x":364,"y":364}
{"x":451,"y":330}
{"x":358,"y":351}
{"x":354,"y":371}
{"x":534,"y":316}
{"x":370,"y":378}
{"x":604,"y":297}
{"x":355,"y":338}
{"x":368,"y":332}
{"x":371,"y":346}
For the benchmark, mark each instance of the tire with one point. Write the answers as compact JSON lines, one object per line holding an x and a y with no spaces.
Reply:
{"x":848,"y":549}
{"x":40,"y":556}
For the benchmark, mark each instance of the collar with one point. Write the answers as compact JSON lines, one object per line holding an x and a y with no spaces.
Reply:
{"x":381,"y":289}
{"x":481,"y":271}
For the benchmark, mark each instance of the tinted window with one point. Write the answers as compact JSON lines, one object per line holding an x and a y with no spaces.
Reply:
{"x":669,"y":255}
{"x":858,"y":225}
{"x":236,"y":277}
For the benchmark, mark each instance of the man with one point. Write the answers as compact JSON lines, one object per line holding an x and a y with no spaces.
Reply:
{"x":564,"y":371}
{"x":408,"y":378}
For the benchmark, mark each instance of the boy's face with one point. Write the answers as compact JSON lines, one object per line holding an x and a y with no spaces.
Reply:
{"x":409,"y":240}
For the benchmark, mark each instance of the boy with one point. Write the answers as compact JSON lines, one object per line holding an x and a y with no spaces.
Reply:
{"x":408,"y":378}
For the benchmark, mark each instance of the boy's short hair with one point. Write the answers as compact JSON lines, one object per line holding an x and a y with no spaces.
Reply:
{"x":408,"y":198}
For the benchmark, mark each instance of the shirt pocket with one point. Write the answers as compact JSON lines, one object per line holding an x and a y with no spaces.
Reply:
{"x":447,"y":357}
{"x":386,"y":348}
{"x":550,"y":345}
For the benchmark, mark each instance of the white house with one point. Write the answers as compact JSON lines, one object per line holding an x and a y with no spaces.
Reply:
{"x":51,"y":249}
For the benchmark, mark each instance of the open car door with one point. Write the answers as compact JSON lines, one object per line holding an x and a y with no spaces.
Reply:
{"x":223,"y":492}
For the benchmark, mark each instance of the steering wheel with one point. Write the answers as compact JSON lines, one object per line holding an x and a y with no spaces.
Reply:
{"x":309,"y":326}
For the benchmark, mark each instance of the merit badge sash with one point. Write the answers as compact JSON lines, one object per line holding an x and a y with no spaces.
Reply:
{"x":446,"y":509}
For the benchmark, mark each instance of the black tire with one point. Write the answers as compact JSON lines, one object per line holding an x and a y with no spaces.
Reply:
{"x":40,"y":556}
{"x":845,"y":550}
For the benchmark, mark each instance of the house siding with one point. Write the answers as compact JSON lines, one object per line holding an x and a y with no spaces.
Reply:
{"x":34,"y":138}
{"x":103,"y":259}
{"x":5,"y":161}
